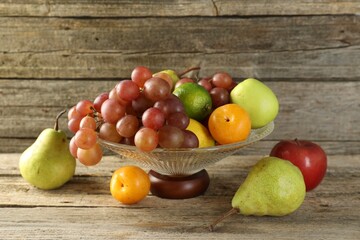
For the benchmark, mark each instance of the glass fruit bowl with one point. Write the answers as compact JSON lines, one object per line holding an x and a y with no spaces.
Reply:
{"x":182,"y":169}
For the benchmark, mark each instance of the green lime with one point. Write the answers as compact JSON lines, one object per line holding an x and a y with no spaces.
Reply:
{"x":196,"y":100}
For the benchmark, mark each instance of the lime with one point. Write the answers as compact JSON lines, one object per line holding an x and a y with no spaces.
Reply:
{"x":203,"y":135}
{"x":196,"y":100}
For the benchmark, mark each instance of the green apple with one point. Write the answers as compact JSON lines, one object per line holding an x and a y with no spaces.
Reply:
{"x":257,"y":99}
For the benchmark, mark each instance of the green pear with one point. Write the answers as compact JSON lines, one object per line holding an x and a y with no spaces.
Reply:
{"x":273,"y":187}
{"x":48,"y":163}
{"x":257,"y":99}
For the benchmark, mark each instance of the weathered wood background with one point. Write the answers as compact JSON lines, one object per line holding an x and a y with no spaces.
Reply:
{"x":55,"y":53}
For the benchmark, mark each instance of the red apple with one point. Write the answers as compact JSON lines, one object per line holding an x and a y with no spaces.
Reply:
{"x":309,"y":157}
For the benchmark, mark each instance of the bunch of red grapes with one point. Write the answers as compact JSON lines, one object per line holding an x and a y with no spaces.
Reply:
{"x":141,"y":112}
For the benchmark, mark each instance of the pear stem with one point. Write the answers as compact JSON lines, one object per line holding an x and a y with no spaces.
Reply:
{"x":227,"y":214}
{"x":188,"y":70}
{"x":56,"y":126}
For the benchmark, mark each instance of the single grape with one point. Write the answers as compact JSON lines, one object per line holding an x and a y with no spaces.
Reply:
{"x":170,"y":105}
{"x":173,"y":97}
{"x":127,"y":126}
{"x":190,"y":140}
{"x":222,"y":80}
{"x":113,"y":95}
{"x":178,"y":119}
{"x":85,"y":107}
{"x":90,"y":157}
{"x":108,"y":132}
{"x":165,"y":77}
{"x":140,"y":74}
{"x":85,"y":138}
{"x":74,"y":124}
{"x":153,"y":118}
{"x":73,"y":113}
{"x":127,"y":90}
{"x":88,"y":122}
{"x":99,"y":100}
{"x":73,"y":148}
{"x":112,"y":111}
{"x":146,"y":139}
{"x":170,"y":137}
{"x":156,"y":89}
{"x":206,"y":83}
{"x":219,"y":96}
{"x":141,"y":104}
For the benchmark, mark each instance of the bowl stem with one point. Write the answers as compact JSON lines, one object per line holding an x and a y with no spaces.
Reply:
{"x":174,"y":187}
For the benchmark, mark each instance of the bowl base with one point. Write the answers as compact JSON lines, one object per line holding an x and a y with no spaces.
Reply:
{"x":171,"y":187}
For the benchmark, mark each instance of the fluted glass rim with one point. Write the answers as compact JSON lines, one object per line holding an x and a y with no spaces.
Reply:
{"x":255,"y":135}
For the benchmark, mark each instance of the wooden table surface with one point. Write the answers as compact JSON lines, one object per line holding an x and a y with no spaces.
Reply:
{"x":84,"y":208}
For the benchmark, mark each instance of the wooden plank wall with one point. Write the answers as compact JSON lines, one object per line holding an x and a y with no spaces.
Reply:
{"x":55,"y":53}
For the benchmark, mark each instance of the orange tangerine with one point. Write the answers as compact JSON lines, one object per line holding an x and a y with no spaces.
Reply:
{"x":229,"y":123}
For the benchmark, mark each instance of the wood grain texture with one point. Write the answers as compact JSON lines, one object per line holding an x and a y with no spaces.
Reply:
{"x":178,"y":8}
{"x":274,"y":47}
{"x":85,"y":208}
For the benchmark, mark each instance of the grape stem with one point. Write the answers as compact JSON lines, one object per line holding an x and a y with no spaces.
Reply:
{"x":56,"y":126}
{"x":227,"y":214}
{"x":96,"y":115}
{"x":188,"y":70}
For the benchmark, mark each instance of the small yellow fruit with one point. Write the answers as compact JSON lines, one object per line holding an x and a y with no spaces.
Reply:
{"x":204,"y":136}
